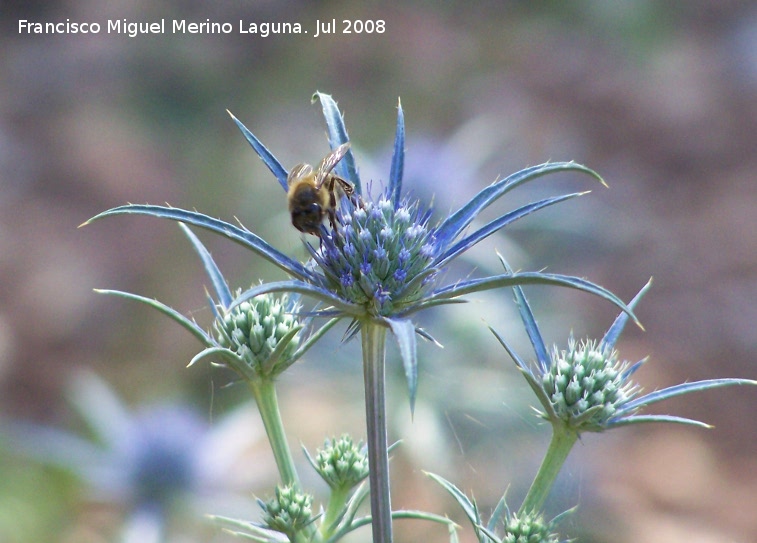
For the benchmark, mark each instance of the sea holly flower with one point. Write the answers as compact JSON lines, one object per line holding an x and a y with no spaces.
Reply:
{"x":588,"y":388}
{"x":382,"y":261}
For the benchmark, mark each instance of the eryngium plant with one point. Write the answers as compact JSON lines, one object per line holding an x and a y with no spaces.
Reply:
{"x":588,"y":388}
{"x":377,"y":265}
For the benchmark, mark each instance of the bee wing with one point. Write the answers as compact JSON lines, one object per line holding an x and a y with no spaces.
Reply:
{"x":298,"y":172}
{"x":329,"y":162}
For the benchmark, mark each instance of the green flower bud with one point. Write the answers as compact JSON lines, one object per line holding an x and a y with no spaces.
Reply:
{"x":528,"y":528}
{"x":288,"y":512}
{"x":341,"y":463}
{"x":254,"y":329}
{"x":585,"y":377}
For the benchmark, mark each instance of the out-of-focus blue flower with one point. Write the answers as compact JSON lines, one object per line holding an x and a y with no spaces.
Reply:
{"x":155,"y":464}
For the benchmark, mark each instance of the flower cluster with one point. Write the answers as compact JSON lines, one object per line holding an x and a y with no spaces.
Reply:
{"x":341,"y":463}
{"x":288,"y":512}
{"x":528,"y":528}
{"x":377,"y":255}
{"x":587,"y":384}
{"x":261,"y":331}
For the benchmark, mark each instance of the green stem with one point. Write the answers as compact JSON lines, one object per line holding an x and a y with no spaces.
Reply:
{"x":374,"y":342}
{"x":562,"y":442}
{"x":337,"y":500}
{"x":264,"y":391}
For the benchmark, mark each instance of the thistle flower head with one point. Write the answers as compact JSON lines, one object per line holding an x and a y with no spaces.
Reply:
{"x":341,"y":462}
{"x":585,"y":388}
{"x":528,"y":528}
{"x":257,"y":329}
{"x":587,"y":385}
{"x":288,"y":512}
{"x":379,"y":256}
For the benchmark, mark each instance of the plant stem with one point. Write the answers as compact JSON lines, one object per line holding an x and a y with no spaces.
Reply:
{"x":374,"y":342}
{"x":337,"y":499}
{"x":264,"y":391}
{"x":562,"y":442}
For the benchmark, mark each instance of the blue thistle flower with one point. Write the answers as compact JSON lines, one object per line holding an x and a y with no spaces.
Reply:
{"x":586,"y":387}
{"x":381,"y":262}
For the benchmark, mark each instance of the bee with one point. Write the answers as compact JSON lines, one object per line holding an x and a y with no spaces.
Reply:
{"x":313,"y":194}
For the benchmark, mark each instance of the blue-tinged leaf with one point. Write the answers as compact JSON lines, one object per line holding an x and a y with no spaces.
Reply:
{"x":640,"y":419}
{"x":404,"y":331}
{"x":265,"y":155}
{"x":458,"y":221}
{"x":190,"y":325}
{"x":278,"y":352}
{"x":398,"y":159}
{"x":230,"y":359}
{"x":234,"y":233}
{"x":216,"y":277}
{"x":490,"y":535}
{"x":613,"y":333}
{"x":249,"y":530}
{"x":469,"y":508}
{"x":634,"y":368}
{"x":497,"y":224}
{"x":302,"y":287}
{"x":428,"y":337}
{"x":678,"y":390}
{"x":517,"y":359}
{"x":337,"y":136}
{"x":524,"y":278}
{"x":315,"y":336}
{"x":500,"y":513}
{"x":529,"y":321}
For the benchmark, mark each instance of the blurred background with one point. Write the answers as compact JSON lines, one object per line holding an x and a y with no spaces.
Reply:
{"x":660,"y":98}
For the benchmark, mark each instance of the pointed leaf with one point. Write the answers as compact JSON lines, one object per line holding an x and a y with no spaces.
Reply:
{"x":398,"y":159}
{"x":678,"y":390}
{"x":499,"y":513}
{"x":643,"y":419}
{"x":337,"y":136}
{"x":216,"y":277}
{"x":517,"y":359}
{"x":524,"y":278}
{"x":314,"y":337}
{"x":190,"y":325}
{"x":458,"y":221}
{"x":265,"y":155}
{"x":613,"y":333}
{"x":549,"y":410}
{"x":234,"y":233}
{"x":301,"y":287}
{"x":404,"y":331}
{"x":468,"y":507}
{"x":490,"y":535}
{"x":529,"y":321}
{"x":497,"y":224}
{"x":273,"y":359}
